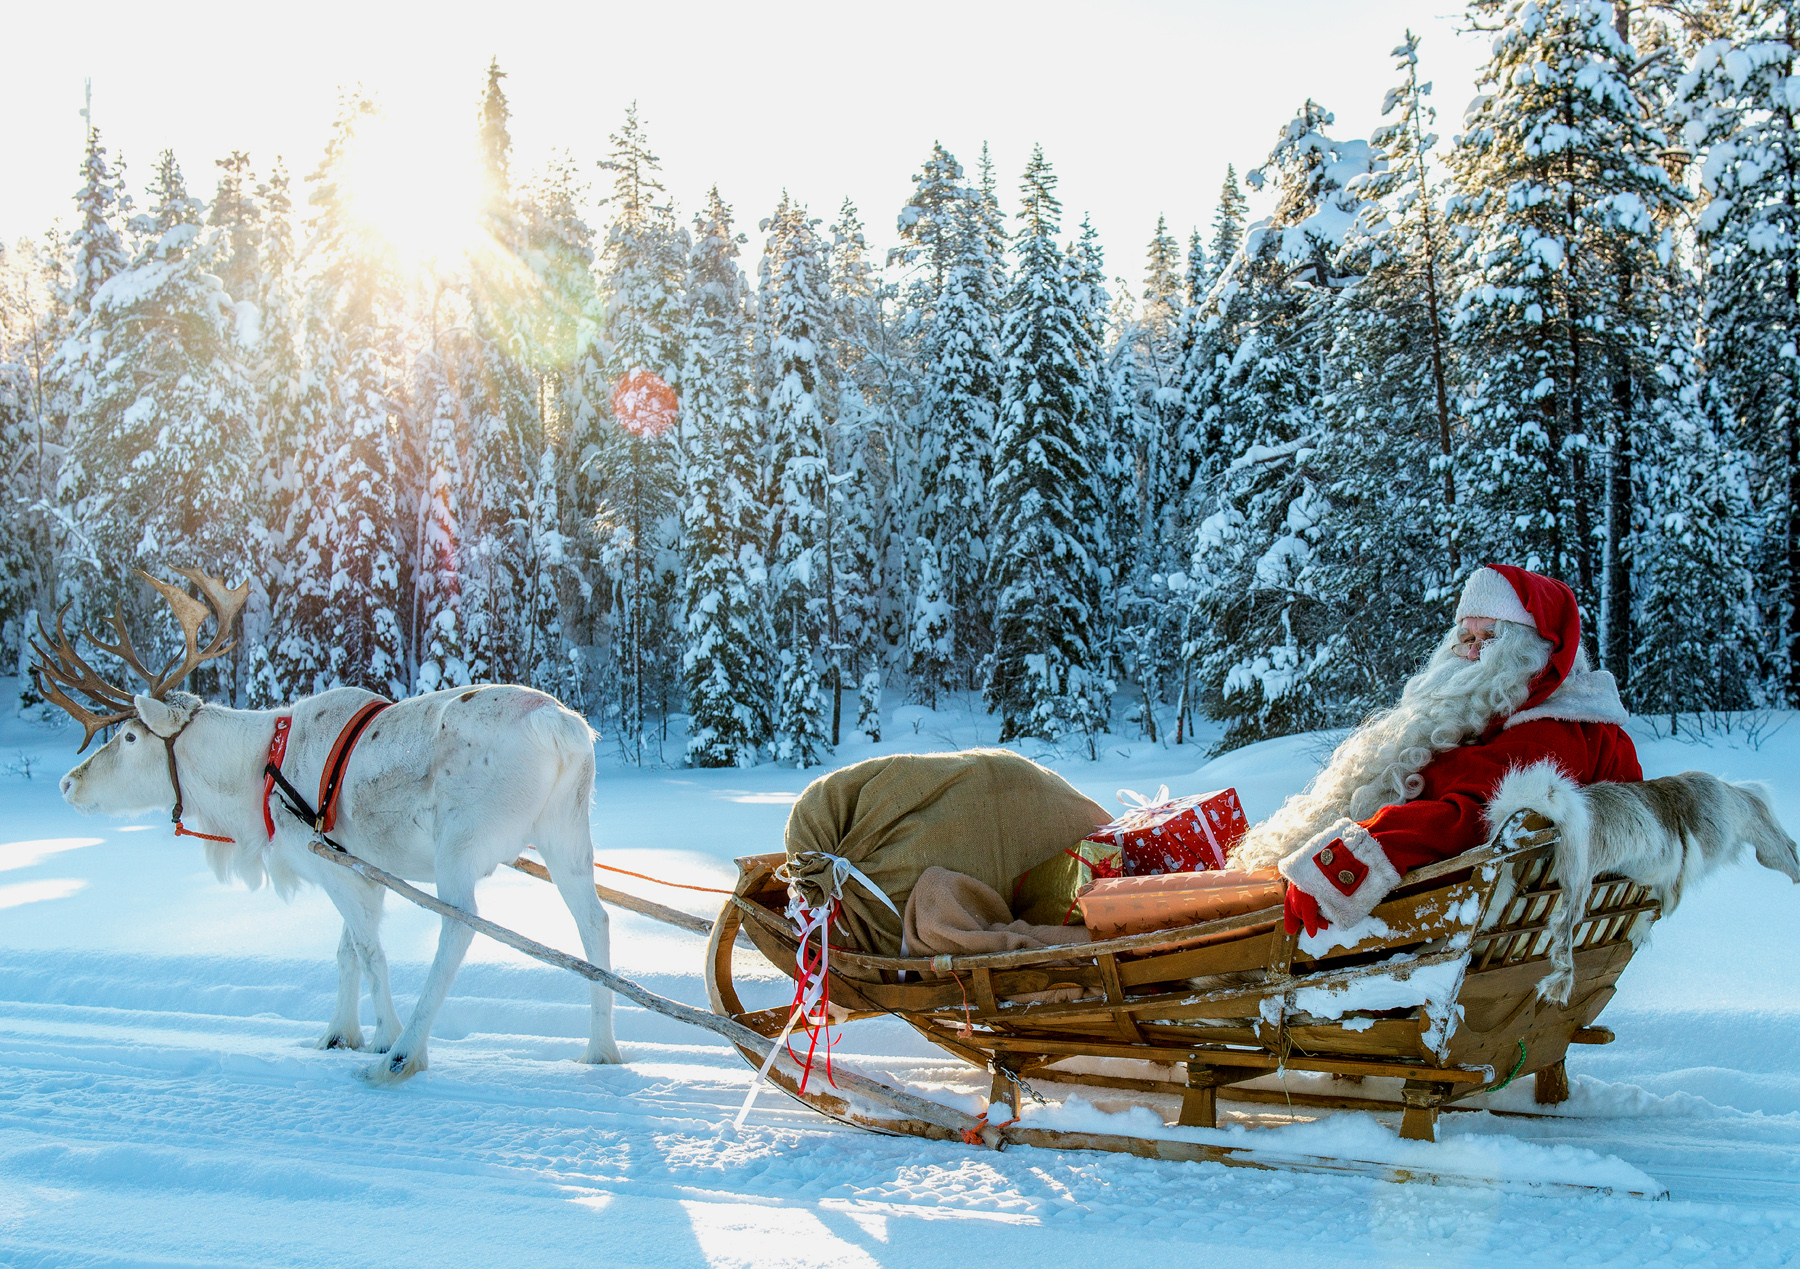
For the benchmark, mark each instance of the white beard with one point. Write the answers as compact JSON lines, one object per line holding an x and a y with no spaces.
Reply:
{"x":1447,"y":703}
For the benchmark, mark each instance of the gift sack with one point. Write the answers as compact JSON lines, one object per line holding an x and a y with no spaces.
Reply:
{"x":1047,"y":894}
{"x":1161,"y":835}
{"x":1115,"y":906}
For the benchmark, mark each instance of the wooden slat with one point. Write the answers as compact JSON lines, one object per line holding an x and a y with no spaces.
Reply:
{"x":1115,"y":995}
{"x":1232,"y":1057}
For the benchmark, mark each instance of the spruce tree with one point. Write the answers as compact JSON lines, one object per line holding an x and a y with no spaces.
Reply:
{"x":1738,"y":98}
{"x":949,"y":628}
{"x":1565,"y":210}
{"x":643,"y":266}
{"x":97,"y":250}
{"x":794,"y":305}
{"x":1229,"y":219}
{"x":1391,"y":454}
{"x":727,"y":637}
{"x":1045,"y":676}
{"x":1263,"y":629}
{"x":341,"y":621}
{"x":160,"y":439}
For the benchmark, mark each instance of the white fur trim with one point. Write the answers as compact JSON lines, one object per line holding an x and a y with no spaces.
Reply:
{"x":1343,"y":910}
{"x":1488,"y":594}
{"x":1592,"y":697}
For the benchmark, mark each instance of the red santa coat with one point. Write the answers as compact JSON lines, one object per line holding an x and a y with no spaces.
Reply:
{"x":1577,"y":728}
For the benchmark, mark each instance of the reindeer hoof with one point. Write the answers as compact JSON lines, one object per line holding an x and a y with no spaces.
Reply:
{"x":340,"y":1040}
{"x":601,"y":1055}
{"x":395,"y":1068}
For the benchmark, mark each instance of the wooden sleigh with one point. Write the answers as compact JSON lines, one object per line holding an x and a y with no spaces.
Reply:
{"x":1470,"y":936}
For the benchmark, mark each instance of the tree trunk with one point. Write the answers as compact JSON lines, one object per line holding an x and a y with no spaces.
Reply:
{"x":1616,"y":655}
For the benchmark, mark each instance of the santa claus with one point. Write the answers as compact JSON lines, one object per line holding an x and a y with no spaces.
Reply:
{"x":1509,"y":687}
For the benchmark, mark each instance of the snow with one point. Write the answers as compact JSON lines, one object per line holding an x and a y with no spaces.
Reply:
{"x":1402,"y":989}
{"x":160,"y":1101}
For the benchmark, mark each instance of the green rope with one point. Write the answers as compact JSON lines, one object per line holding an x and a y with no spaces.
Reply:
{"x":1517,"y":1067}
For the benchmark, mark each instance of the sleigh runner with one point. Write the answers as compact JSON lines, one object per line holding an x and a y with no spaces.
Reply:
{"x":1439,"y":992}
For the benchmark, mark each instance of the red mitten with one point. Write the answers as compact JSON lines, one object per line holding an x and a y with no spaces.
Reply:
{"x":1299,"y":910}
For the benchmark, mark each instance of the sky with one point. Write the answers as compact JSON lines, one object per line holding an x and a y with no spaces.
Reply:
{"x":1139,"y":104}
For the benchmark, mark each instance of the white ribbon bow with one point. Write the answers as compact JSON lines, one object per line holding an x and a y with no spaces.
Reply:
{"x":1130,"y":798}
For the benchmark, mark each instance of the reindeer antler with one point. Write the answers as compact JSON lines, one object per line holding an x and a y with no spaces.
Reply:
{"x":63,"y":667}
{"x":226,"y":604}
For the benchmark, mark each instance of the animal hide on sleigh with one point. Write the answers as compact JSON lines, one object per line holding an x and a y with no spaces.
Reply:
{"x":1664,"y":834}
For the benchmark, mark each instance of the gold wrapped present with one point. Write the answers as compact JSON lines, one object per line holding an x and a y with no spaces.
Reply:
{"x":1046,"y":894}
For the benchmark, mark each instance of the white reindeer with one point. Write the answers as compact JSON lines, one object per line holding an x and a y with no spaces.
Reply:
{"x":442,"y":788}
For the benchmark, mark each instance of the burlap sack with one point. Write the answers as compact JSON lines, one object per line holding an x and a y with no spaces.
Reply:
{"x":949,"y":914}
{"x":986,"y":813}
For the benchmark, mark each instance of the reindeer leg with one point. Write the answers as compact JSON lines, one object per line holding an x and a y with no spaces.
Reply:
{"x":569,"y":855}
{"x":344,"y":1031}
{"x":365,"y":928}
{"x":407,"y":1056}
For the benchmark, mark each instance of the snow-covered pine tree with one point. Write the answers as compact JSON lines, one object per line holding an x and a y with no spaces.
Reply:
{"x":439,"y":410}
{"x":1391,"y":451}
{"x":290,"y":402}
{"x":1206,"y":343}
{"x":1744,"y":118}
{"x":33,"y":320}
{"x":1194,"y":274}
{"x":559,"y":255}
{"x":1163,"y":284}
{"x":1699,"y":647}
{"x":505,"y":626}
{"x":160,"y":435}
{"x":1046,"y":675}
{"x":643,"y":273}
{"x":927,"y":229}
{"x":237,"y":213}
{"x":726,"y":662}
{"x":1230,"y":218}
{"x":1263,"y":629}
{"x":340,"y":621}
{"x":861,"y":500}
{"x":1565,"y":211}
{"x":97,"y":250}
{"x":795,"y":310}
{"x":950,"y":625}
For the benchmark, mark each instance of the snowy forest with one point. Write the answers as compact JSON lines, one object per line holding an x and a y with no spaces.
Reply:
{"x":1244,"y":482}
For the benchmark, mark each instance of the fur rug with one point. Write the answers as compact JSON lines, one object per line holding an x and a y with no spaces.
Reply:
{"x":1664,"y":834}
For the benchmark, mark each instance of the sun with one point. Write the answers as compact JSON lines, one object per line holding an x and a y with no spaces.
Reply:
{"x":415,"y":182}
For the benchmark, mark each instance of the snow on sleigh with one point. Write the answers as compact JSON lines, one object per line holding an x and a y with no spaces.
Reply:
{"x":1439,"y":989}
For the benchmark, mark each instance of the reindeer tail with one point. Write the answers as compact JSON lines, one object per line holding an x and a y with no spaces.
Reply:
{"x":1542,"y":787}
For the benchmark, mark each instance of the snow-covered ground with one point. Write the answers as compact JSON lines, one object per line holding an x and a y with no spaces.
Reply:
{"x":161,"y":1102}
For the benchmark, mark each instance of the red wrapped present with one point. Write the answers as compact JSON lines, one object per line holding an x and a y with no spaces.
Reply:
{"x":1163,"y":834}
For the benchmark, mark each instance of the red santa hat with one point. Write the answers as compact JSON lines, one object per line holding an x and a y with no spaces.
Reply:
{"x":1531,"y":599}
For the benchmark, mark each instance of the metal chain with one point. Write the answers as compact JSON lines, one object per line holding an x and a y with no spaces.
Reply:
{"x":1021,"y":1085}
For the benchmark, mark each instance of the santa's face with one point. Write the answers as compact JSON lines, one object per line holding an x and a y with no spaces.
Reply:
{"x":1472,"y":636}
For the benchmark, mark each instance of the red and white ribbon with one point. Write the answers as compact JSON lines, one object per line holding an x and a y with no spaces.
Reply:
{"x":812,"y":978}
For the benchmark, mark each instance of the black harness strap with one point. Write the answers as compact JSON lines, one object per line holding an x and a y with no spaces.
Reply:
{"x":296,"y":803}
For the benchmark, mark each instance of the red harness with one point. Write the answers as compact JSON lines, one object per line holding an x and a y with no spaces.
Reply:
{"x":331,"y":780}
{"x":277,"y":753}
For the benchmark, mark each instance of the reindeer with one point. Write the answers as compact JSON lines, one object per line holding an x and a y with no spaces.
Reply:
{"x":441,"y":788}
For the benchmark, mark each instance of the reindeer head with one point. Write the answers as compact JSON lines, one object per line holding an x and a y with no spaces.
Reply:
{"x":130,"y":772}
